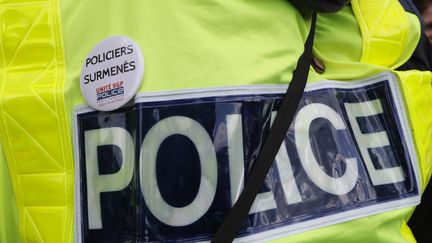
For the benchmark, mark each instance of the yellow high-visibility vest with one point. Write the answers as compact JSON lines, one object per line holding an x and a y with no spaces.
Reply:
{"x":187,"y":45}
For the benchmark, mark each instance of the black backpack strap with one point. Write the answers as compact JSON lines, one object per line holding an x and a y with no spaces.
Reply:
{"x":236,"y":216}
{"x":329,"y":6}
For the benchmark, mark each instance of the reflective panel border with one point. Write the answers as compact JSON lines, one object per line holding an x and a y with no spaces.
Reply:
{"x":348,"y":154}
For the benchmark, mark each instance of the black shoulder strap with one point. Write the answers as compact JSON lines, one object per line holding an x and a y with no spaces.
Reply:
{"x":329,"y":6}
{"x":236,"y":216}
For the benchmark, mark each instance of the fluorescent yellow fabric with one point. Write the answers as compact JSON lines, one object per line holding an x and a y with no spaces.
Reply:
{"x":417,"y":92}
{"x":344,"y":65}
{"x":33,"y":127}
{"x":186,"y":44}
{"x":417,"y":88}
{"x":189,"y":44}
{"x":384,"y":227}
{"x":9,"y":231}
{"x":385,"y":25}
{"x":386,"y":42}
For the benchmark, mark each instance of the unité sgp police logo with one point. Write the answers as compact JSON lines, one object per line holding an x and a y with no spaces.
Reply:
{"x":110,"y":90}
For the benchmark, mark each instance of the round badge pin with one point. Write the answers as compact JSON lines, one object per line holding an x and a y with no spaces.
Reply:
{"x":112,"y":73}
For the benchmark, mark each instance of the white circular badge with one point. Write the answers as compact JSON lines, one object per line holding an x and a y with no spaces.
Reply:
{"x":112,"y":73}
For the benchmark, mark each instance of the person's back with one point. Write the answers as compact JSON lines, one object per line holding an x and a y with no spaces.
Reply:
{"x":169,"y":165}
